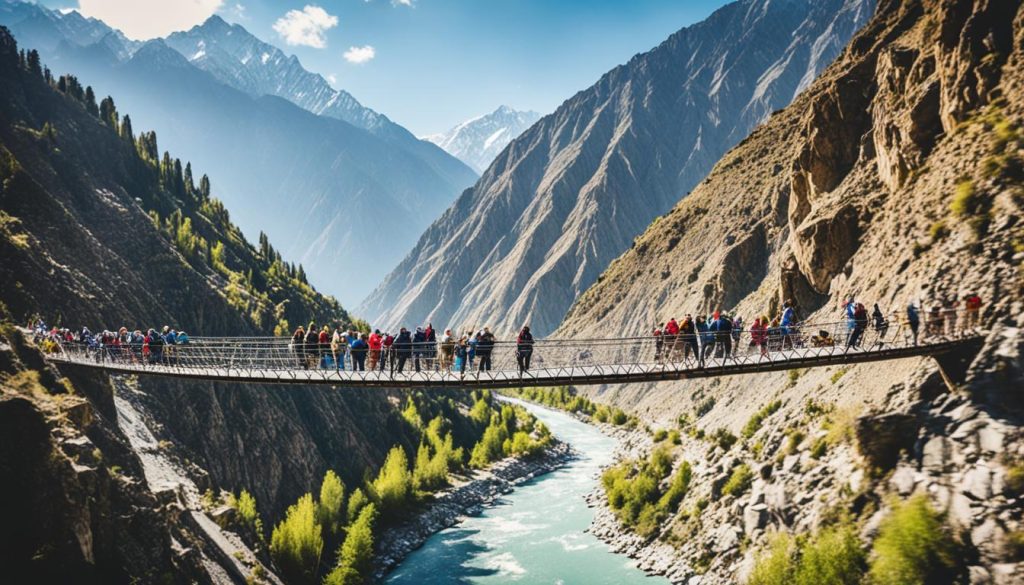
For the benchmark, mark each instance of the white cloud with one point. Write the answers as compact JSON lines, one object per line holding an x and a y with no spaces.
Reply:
{"x":237,"y":11}
{"x":147,"y":19}
{"x":306,"y":27}
{"x":360,"y":55}
{"x":331,"y":78}
{"x":402,"y":2}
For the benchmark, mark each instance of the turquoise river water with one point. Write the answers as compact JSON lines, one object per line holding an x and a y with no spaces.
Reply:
{"x":535,"y":535}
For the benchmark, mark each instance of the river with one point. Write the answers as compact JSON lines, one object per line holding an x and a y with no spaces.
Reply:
{"x":536,"y":533}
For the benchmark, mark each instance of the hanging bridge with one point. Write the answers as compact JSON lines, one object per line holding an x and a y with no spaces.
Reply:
{"x":554,"y":362}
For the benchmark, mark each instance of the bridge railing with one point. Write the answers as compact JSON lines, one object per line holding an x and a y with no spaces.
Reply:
{"x":564,"y":357}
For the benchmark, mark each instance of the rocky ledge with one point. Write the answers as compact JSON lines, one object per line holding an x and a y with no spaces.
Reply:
{"x":451,"y":506}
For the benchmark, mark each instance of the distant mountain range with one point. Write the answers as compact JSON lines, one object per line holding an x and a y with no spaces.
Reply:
{"x":342,"y":188}
{"x":569,"y":195}
{"x":479,"y":140}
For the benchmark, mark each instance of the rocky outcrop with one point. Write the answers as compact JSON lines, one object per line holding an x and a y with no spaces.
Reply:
{"x":895,"y":178}
{"x":572,"y":192}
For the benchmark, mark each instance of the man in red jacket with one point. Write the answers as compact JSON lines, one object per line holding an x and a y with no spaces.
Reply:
{"x":376,"y":342}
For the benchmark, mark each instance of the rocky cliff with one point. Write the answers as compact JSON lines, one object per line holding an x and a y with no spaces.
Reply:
{"x":570,"y":194}
{"x":93,"y":233}
{"x":895,"y":178}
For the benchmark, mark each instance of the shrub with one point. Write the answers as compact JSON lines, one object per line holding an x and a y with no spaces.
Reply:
{"x":739,"y":482}
{"x":660,"y":435}
{"x":912,"y":547}
{"x":677,"y":489}
{"x":819,"y":448}
{"x":674,"y":438}
{"x":833,"y":556}
{"x":1015,"y":479}
{"x":355,"y":558}
{"x":795,"y":437}
{"x":774,"y":566}
{"x":704,"y":406}
{"x":723,"y":438}
{"x":838,"y":375}
{"x":356,"y":502}
{"x":250,"y":516}
{"x":755,"y":421}
{"x":793,"y":375}
{"x":393,"y":486}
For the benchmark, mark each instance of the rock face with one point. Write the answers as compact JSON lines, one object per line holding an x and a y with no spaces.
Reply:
{"x":345,"y":200}
{"x":895,"y":178}
{"x":477,"y":142}
{"x":570,"y":194}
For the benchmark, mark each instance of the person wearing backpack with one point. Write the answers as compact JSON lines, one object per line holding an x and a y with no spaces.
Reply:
{"x":973,"y":305}
{"x":359,"y":348}
{"x":860,"y":323}
{"x":403,"y":349}
{"x":312,"y":346}
{"x":484,"y":349}
{"x":524,"y":349}
{"x":914,"y":320}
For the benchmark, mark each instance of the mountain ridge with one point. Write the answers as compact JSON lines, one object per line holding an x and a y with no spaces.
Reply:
{"x":478,"y":140}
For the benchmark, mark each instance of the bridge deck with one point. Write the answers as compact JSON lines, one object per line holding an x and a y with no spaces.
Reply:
{"x":555,"y":362}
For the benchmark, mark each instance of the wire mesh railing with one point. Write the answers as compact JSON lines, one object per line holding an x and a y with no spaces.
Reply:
{"x":543,"y":361}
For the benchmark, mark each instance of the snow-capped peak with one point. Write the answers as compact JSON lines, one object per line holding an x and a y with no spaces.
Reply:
{"x":477,"y":141}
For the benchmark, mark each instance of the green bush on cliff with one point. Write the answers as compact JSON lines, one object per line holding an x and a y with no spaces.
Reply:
{"x":739,"y":482}
{"x":913,"y":546}
{"x":833,"y":556}
{"x":635,"y":495}
{"x":355,"y":558}
{"x":245,"y":504}
{"x":297,"y":542}
{"x":393,"y":486}
{"x":331,"y":508}
{"x":356,"y":502}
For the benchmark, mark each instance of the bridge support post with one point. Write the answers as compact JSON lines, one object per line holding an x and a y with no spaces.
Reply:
{"x":954,"y":363}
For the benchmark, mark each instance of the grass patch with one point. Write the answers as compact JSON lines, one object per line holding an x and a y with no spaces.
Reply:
{"x":838,"y":375}
{"x":660,"y":435}
{"x":819,"y":448}
{"x":704,"y":406}
{"x":913,"y":547}
{"x":794,"y":376}
{"x":723,"y":438}
{"x":833,"y":556}
{"x":755,"y":421}
{"x":739,"y":482}
{"x":938,"y":230}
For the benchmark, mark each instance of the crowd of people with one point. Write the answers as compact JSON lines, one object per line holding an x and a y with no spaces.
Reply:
{"x":716,"y":335}
{"x":151,"y":347}
{"x":721,"y":335}
{"x":421,"y":349}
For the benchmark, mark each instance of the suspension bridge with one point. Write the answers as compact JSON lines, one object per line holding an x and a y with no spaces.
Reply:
{"x":554,"y":362}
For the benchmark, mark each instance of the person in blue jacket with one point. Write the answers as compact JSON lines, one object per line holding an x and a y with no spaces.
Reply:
{"x":913,"y":319}
{"x":705,"y":336}
{"x":359,"y":347}
{"x":788,"y":323}
{"x":419,"y":347}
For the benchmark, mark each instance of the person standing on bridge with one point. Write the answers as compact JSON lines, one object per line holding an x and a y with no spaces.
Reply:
{"x":849,"y":308}
{"x":387,"y":351}
{"x":880,"y":324}
{"x":312,"y":351}
{"x":688,"y":339}
{"x":788,"y":324}
{"x":431,"y":348}
{"x":419,"y":350}
{"x":973,"y":305}
{"x":338,"y":348}
{"x":914,"y":320}
{"x":447,"y":349}
{"x":484,"y":348}
{"x":461,"y":355}
{"x":671,"y":331}
{"x":403,"y":349}
{"x":374,"y":342}
{"x":298,"y":340}
{"x":707,"y":339}
{"x":524,"y":349}
{"x":659,"y":342}
{"x":860,"y":323}
{"x":359,"y":349}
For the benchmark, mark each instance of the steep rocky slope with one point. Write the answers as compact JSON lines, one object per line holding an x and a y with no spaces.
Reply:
{"x":479,"y":140}
{"x":896,"y":178}
{"x":570,"y":194}
{"x":344,"y":201}
{"x":92,"y":233}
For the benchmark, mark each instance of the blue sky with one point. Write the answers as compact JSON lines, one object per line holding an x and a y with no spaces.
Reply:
{"x":429,"y":64}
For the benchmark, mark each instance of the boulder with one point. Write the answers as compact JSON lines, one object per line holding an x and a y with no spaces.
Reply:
{"x":882,"y":437}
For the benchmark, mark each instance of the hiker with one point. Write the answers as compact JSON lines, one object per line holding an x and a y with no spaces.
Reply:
{"x":524,"y":349}
{"x":485,"y":347}
{"x":460,"y":350}
{"x":338,"y":349}
{"x":375,"y":341}
{"x":298,"y":340}
{"x":951,"y":310}
{"x":737,"y":331}
{"x":787,"y":325}
{"x":706,"y":338}
{"x":323,"y":347}
{"x":849,"y":308}
{"x":721,"y":327}
{"x":359,"y":347}
{"x":688,"y":337}
{"x":156,"y":346}
{"x":973,"y":305}
{"x":387,"y":351}
{"x":419,"y":347}
{"x":403,"y":349}
{"x":670,"y":331}
{"x":447,"y":349}
{"x":759,"y":334}
{"x":880,"y":324}
{"x":860,"y":323}
{"x":659,"y":342}
{"x":430,"y":349}
{"x":312,"y":346}
{"x":913,"y":319}
{"x":474,"y":341}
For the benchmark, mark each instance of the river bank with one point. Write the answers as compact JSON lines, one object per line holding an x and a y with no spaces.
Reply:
{"x":467,"y":498}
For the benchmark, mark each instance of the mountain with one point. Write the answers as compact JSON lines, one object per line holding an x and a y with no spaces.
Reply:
{"x":570,"y":194}
{"x":239,"y":59}
{"x":896,"y":178}
{"x":345,"y":202}
{"x":479,"y":140}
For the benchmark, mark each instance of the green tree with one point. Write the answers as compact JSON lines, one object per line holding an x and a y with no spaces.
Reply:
{"x":204,"y":188}
{"x":108,"y":112}
{"x":331,"y":512}
{"x":297,"y":542}
{"x":90,"y":102}
{"x":355,"y":559}
{"x":393,"y":485}
{"x":246,"y":506}
{"x":126,"y":130}
{"x":356,"y":502}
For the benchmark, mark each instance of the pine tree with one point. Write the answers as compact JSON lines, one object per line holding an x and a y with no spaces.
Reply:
{"x":90,"y":102}
{"x":190,"y":185}
{"x":393,"y":486}
{"x":355,"y":558}
{"x":297,"y":542}
{"x":48,"y":76}
{"x":177,"y":179}
{"x":204,"y":188}
{"x":34,"y":64}
{"x":356,"y":502}
{"x":302,"y":275}
{"x":62,"y":84}
{"x":126,"y":130}
{"x":108,"y":112}
{"x":331,"y":512}
{"x":147,"y":146}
